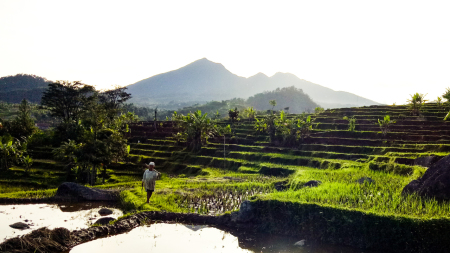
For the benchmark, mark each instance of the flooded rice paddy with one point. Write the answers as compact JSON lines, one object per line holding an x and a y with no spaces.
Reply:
{"x":163,"y":238}
{"x":68,"y":215}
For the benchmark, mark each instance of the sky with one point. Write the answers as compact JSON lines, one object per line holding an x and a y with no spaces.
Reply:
{"x":381,"y":50}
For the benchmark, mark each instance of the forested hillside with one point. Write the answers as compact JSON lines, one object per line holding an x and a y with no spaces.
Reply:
{"x":15,"y":88}
{"x":291,"y":97}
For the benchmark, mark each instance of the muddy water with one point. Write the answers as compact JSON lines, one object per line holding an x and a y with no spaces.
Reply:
{"x":69,"y":215}
{"x":162,"y":238}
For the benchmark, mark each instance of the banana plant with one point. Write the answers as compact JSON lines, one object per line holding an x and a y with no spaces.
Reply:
{"x":10,"y":152}
{"x":194,"y":128}
{"x":385,"y":124}
{"x":416,"y":102}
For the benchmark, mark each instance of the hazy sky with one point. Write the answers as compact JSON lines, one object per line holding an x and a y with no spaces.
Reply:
{"x":381,"y":50}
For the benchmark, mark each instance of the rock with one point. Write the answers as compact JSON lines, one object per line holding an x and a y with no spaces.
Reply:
{"x":105,"y":211}
{"x":104,"y":221}
{"x":364,"y":180}
{"x":73,"y":191}
{"x":435,"y":183}
{"x":312,"y":183}
{"x":426,"y":161}
{"x":300,"y":243}
{"x":19,"y":225}
{"x":245,"y":212}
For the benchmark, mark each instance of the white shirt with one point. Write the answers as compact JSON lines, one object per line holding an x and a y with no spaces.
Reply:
{"x":149,"y":179}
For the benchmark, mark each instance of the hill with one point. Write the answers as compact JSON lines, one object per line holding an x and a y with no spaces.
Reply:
{"x":15,"y":88}
{"x":204,"y":80}
{"x":291,"y":97}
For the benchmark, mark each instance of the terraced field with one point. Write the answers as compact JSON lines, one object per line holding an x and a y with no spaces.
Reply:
{"x":327,"y":175}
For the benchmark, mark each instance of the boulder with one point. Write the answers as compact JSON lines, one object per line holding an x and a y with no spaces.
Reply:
{"x":105,"y":211}
{"x":300,"y":243}
{"x":19,"y":225}
{"x":365,"y":179}
{"x":73,"y":191}
{"x":435,"y":183}
{"x":104,"y":221}
{"x":312,"y":183}
{"x":426,"y":161}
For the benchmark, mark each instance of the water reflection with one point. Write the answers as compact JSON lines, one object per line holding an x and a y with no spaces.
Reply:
{"x":158,"y":238}
{"x":68,"y":215}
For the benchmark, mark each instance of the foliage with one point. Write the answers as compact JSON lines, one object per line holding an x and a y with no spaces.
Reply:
{"x":234,"y":115}
{"x":446,"y":95}
{"x":284,"y":130}
{"x":98,"y":134}
{"x":250,"y":113}
{"x":11,"y":152}
{"x":273,"y":103}
{"x":27,"y":161}
{"x":385,"y":124}
{"x":351,"y":123}
{"x":22,"y":125}
{"x":416,"y":102}
{"x":291,"y":97}
{"x":319,"y":110}
{"x":113,"y":101}
{"x":195,"y":128}
{"x":439,"y":103}
{"x":65,"y":99}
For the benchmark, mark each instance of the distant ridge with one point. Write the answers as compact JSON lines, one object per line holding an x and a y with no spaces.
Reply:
{"x":204,"y":80}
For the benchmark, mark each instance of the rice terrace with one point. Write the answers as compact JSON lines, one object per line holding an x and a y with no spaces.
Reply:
{"x":239,"y":126}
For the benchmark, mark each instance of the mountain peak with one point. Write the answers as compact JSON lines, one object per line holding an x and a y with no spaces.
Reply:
{"x":259,"y":74}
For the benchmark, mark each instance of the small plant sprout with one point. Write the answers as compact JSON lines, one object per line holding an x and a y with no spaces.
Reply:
{"x":351,"y":123}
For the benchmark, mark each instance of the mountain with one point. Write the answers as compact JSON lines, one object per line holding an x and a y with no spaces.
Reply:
{"x":204,"y":80}
{"x":15,"y":88}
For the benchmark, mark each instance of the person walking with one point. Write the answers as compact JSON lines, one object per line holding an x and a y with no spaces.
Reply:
{"x":149,"y":178}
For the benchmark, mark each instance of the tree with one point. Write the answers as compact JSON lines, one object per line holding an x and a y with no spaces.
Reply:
{"x":113,"y":100}
{"x":416,"y":102}
{"x":285,"y":131}
{"x":250,"y":113}
{"x":273,"y":103}
{"x":100,"y":139}
{"x":65,"y":99}
{"x":318,"y":110}
{"x":22,"y":125}
{"x":195,"y":128}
